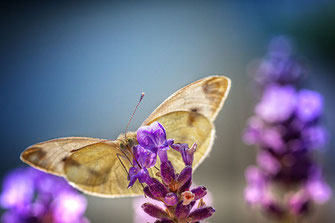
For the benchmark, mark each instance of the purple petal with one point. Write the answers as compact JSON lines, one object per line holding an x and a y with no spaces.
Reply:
{"x":132,"y":176}
{"x":144,"y":157}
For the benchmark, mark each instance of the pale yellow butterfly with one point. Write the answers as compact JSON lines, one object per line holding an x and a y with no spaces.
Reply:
{"x":97,"y":166}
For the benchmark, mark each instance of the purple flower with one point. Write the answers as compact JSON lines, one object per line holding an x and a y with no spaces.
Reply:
{"x":309,"y":105}
{"x":153,"y":137}
{"x":31,"y":194}
{"x":143,"y":159}
{"x":186,"y":153}
{"x":18,"y":190}
{"x":278,"y":103}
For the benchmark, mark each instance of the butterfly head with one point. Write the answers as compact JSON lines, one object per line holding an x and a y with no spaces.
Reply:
{"x":127,"y":142}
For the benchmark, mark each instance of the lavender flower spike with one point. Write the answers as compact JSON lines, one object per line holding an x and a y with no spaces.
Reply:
{"x":167,"y":186}
{"x":286,"y":127}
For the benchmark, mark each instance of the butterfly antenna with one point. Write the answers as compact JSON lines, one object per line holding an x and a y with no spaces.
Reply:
{"x":131,"y":117}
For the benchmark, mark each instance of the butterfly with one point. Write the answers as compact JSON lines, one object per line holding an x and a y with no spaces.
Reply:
{"x":97,"y":166}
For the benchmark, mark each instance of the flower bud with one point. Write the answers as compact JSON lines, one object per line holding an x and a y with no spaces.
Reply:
{"x":185,"y":187}
{"x":199,"y":192}
{"x":148,"y":193}
{"x":157,"y":189}
{"x":171,"y":199}
{"x":167,"y":172}
{"x":201,"y":214}
{"x":184,"y":175}
{"x":182,"y":211}
{"x":154,"y":210}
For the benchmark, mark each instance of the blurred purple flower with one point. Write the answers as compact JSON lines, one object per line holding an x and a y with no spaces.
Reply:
{"x":309,"y":105}
{"x":286,"y":127}
{"x":319,"y":191}
{"x":278,"y":103}
{"x":30,"y":194}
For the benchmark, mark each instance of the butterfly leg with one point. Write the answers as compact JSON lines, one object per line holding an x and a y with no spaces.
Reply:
{"x":124,"y":167}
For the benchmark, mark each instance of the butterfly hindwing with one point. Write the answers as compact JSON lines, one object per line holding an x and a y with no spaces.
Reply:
{"x":188,"y":127}
{"x":97,"y":170}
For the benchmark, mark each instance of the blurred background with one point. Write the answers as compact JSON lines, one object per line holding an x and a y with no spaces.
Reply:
{"x":77,"y":69}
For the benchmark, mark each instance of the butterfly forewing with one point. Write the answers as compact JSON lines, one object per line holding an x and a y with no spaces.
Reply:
{"x":188,"y":115}
{"x":205,"y":96}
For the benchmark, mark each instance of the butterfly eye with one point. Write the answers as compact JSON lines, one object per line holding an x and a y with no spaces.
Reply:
{"x":122,"y":146}
{"x":131,"y":142}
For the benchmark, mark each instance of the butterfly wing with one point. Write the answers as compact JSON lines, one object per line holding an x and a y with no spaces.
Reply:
{"x":188,"y":115}
{"x":96,"y":169}
{"x":49,"y":156}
